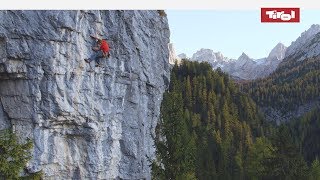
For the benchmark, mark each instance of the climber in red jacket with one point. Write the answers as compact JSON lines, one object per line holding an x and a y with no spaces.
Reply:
{"x":103,"y":51}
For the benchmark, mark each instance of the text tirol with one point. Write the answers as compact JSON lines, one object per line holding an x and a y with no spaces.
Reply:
{"x":279,"y":15}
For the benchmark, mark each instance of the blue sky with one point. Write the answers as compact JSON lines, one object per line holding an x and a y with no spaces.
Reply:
{"x":233,"y":32}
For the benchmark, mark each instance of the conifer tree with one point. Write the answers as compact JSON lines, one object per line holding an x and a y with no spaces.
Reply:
{"x":13,"y":155}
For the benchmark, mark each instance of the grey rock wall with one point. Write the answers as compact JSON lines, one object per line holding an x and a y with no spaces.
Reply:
{"x":172,"y":55}
{"x":85,"y":122}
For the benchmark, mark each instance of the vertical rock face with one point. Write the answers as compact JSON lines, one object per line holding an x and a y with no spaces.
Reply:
{"x":172,"y":54}
{"x":85,"y":124}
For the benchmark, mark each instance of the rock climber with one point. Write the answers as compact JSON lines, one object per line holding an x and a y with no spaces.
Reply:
{"x":102,"y":48}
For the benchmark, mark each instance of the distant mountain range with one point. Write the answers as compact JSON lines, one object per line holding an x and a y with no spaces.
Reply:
{"x":293,"y":89}
{"x":247,"y":68}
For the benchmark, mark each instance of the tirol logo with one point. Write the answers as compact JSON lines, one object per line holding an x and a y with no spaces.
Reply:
{"x":280,"y":15}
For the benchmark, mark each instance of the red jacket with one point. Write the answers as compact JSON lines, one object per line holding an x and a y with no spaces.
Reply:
{"x":104,"y":47}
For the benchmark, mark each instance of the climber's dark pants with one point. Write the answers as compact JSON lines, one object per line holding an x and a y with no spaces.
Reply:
{"x":97,"y":56}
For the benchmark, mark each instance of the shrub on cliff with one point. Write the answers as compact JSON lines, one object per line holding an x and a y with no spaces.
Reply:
{"x":13,"y":155}
{"x":162,"y":13}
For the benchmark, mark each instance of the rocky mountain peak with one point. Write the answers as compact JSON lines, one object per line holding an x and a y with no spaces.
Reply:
{"x":307,"y":45}
{"x":204,"y":51}
{"x":302,"y":39}
{"x":219,"y":55}
{"x":209,"y":56}
{"x":221,"y":58}
{"x":278,"y":52}
{"x":204,"y":55}
{"x":314,"y":29}
{"x":243,"y":57}
{"x":182,"y":56}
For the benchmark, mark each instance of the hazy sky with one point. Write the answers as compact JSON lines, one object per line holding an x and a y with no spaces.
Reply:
{"x":233,"y":32}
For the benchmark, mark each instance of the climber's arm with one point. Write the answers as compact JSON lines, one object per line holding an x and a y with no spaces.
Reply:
{"x":96,"y":48}
{"x":96,"y":38}
{"x":104,"y":54}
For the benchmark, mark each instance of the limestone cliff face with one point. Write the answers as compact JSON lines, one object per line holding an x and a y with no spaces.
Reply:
{"x":172,"y":55}
{"x":85,"y":124}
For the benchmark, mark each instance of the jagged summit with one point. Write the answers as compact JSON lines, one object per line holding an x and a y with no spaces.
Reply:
{"x":314,"y":29}
{"x":219,"y":55}
{"x":209,"y":55}
{"x":244,"y":67}
{"x":243,"y":56}
{"x":306,"y":45}
{"x":183,"y":56}
{"x":204,"y":55}
{"x":278,"y":52}
{"x":303,"y":39}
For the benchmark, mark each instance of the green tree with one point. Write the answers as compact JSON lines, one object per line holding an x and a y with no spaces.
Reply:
{"x":188,"y":97}
{"x":259,"y":152}
{"x":206,"y":126}
{"x":13,"y":155}
{"x":285,"y":162}
{"x":314,"y":173}
{"x":176,"y":150}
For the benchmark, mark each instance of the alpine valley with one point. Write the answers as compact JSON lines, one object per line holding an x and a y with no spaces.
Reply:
{"x":243,"y":119}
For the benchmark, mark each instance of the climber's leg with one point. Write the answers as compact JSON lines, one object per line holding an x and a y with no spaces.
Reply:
{"x":93,"y":57}
{"x":98,"y":58}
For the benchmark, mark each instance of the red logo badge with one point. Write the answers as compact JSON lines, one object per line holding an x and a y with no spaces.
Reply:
{"x":273,"y":15}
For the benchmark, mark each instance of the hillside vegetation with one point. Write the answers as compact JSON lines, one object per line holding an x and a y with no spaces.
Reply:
{"x":211,"y":130}
{"x":294,"y":83}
